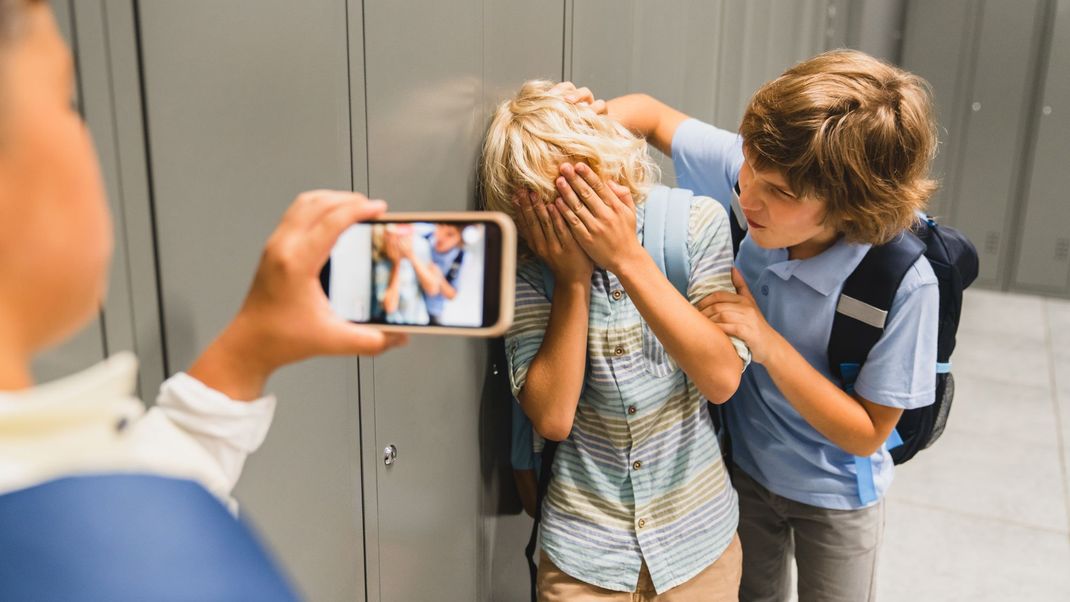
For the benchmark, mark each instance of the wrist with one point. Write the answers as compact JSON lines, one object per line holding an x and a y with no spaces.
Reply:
{"x":236,"y":363}
{"x":629,"y":265}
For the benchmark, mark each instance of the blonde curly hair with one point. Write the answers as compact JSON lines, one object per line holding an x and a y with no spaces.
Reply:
{"x":534,"y":132}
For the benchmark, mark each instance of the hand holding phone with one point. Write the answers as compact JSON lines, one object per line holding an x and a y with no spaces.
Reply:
{"x":435,"y":273}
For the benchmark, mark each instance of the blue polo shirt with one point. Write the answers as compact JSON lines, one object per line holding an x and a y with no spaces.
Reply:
{"x":771,"y":441}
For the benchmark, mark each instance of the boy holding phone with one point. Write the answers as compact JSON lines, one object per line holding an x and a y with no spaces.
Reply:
{"x":55,"y":245}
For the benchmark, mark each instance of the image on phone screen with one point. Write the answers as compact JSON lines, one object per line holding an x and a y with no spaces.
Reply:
{"x":415,"y":274}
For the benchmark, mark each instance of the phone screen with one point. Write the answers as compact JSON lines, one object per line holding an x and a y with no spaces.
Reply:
{"x":414,"y":273}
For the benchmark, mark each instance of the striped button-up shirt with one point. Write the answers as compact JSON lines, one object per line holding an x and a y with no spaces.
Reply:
{"x":640,"y":477}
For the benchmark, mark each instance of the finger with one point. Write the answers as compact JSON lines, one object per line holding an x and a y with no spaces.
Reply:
{"x":718,"y":297}
{"x":562,"y":89}
{"x":733,"y":330}
{"x":575,"y":224}
{"x":600,"y":107}
{"x":728,"y":317}
{"x":325,"y":231}
{"x":597,"y":186}
{"x":580,"y":95}
{"x":624,"y":194}
{"x":583,"y":190}
{"x":741,"y":284}
{"x":522,"y":211}
{"x":561,"y":228}
{"x":310,"y":206}
{"x":575,"y":206}
{"x":547,"y":227}
{"x":346,"y":338}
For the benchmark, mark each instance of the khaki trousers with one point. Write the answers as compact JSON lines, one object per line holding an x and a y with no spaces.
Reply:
{"x":835,"y":550}
{"x":719,"y":582}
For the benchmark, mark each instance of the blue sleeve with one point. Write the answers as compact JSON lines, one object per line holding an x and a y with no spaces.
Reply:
{"x":900,"y":370}
{"x":707,"y":160}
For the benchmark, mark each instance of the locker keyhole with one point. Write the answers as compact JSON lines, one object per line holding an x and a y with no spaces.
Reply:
{"x":1062,"y":249}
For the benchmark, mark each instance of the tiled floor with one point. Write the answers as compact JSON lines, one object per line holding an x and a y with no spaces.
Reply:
{"x":984,"y":515}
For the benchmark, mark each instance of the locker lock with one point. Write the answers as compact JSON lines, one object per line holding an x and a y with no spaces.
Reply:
{"x":390,"y":455}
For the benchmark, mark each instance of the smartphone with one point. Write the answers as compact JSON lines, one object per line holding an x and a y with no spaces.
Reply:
{"x":432,"y":273}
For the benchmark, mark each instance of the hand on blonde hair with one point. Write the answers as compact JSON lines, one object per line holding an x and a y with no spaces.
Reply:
{"x":580,"y":96}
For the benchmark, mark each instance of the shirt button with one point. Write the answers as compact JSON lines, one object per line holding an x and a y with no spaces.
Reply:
{"x":765,"y":290}
{"x":632,"y":410}
{"x":618,"y":351}
{"x":637,"y":465}
{"x":641,"y":523}
{"x":617,"y":294}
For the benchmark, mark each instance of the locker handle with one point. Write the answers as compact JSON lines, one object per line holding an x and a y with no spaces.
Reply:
{"x":390,"y":455}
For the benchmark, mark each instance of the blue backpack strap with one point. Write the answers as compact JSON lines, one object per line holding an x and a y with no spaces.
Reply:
{"x":127,"y":537}
{"x":861,"y":312}
{"x":656,"y":210}
{"x":677,"y":218}
{"x":668,"y":212}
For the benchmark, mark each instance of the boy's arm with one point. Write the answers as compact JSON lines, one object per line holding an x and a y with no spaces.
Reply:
{"x":550,"y":358}
{"x":604,"y":224}
{"x":856,"y":424}
{"x":647,"y":117}
{"x":554,"y":380}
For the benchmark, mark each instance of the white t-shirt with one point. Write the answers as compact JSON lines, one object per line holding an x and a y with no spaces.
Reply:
{"x":90,"y":423}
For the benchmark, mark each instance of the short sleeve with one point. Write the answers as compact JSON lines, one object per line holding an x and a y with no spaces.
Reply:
{"x":532,"y":315}
{"x":707,"y":160}
{"x":900,"y":371}
{"x":709,"y":247}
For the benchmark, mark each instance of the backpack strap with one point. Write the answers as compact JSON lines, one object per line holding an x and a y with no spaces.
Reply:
{"x":668,"y":212}
{"x":861,"y":313}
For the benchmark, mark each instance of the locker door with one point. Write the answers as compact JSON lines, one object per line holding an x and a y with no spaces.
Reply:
{"x":993,"y":139}
{"x":522,"y":40}
{"x":1044,"y":257}
{"x":666,"y":49}
{"x":937,"y":46}
{"x":244,"y":111}
{"x":425,"y":125}
{"x":87,"y":347}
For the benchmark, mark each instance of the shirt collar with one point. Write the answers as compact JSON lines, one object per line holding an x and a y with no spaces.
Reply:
{"x":824,"y":272}
{"x":103,"y":392}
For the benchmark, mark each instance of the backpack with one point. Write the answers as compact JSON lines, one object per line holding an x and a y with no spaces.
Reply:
{"x":667,"y":212}
{"x":864,"y":303}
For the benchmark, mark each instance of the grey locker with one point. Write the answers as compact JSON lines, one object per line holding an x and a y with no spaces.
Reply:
{"x":1043,"y":262}
{"x":704,"y":58}
{"x":430,"y":84}
{"x":937,"y":45}
{"x":994,"y":136}
{"x":244,"y":110}
{"x":522,"y":40}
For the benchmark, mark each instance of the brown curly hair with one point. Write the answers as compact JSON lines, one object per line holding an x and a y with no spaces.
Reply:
{"x":851,"y":130}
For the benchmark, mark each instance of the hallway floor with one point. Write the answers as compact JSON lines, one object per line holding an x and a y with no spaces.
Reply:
{"x":984,"y":515}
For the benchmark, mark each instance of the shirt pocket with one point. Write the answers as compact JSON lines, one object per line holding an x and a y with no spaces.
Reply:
{"x":656,"y":360}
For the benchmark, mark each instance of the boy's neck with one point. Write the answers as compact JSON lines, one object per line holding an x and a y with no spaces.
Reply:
{"x":813,"y":246}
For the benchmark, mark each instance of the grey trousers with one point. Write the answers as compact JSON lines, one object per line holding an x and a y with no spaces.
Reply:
{"x":835,"y":550}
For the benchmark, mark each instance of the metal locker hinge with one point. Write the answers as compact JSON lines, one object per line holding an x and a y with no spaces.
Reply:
{"x":390,"y":455}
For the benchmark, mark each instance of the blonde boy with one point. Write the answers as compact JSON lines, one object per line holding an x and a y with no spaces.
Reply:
{"x":617,"y":366}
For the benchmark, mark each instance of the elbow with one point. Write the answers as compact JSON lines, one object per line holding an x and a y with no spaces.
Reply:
{"x":719,"y":386}
{"x":863,"y":448}
{"x":553,"y":428}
